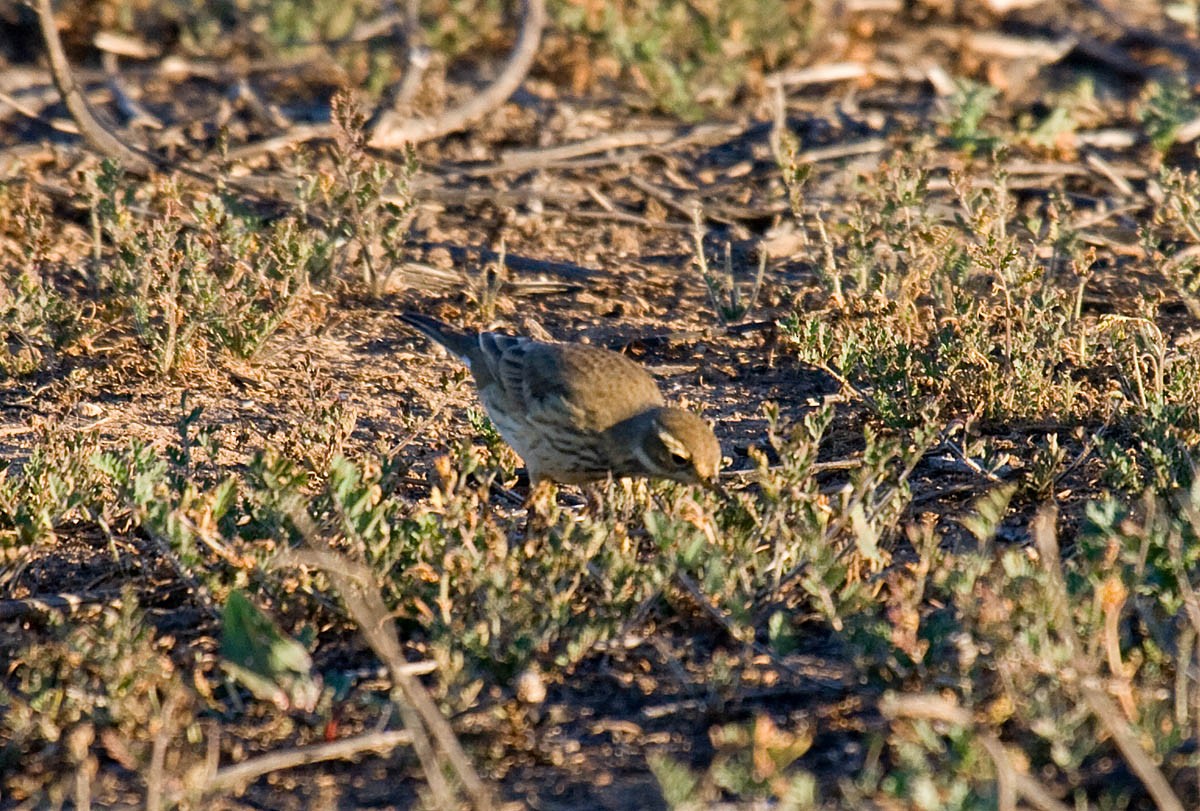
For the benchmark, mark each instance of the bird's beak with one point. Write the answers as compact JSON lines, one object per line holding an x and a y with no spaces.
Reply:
{"x":714,"y":485}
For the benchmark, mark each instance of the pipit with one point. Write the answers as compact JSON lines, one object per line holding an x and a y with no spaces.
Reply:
{"x":577,"y":413}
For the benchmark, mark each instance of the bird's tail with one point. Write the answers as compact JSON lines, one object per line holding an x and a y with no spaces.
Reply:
{"x":457,"y":341}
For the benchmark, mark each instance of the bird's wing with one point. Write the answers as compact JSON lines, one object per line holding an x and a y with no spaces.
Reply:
{"x":596,"y":387}
{"x":498,"y":360}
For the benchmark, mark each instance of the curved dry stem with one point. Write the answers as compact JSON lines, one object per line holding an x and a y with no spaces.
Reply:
{"x":1098,"y":701}
{"x":399,"y":98}
{"x":392,"y":129}
{"x":1011,"y":782}
{"x":95,"y":133}
{"x":130,"y":107}
{"x":422,"y":718}
{"x":239,"y":774}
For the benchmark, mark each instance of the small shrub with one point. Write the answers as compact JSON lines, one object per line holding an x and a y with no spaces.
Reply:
{"x":88,"y":691}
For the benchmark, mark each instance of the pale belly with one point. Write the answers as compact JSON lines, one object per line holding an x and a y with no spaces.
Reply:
{"x":562,"y":455}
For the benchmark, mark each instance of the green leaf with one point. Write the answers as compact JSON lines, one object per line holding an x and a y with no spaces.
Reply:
{"x":989,"y":512}
{"x":269,"y":663}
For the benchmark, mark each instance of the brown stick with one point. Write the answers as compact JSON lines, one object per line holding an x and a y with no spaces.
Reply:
{"x":356,"y":584}
{"x":399,"y":98}
{"x":241,"y":773}
{"x":522,"y":160}
{"x":1094,"y":696}
{"x":93,"y":131}
{"x":393,"y":130}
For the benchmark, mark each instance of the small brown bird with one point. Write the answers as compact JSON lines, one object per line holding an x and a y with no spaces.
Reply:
{"x":577,"y":413}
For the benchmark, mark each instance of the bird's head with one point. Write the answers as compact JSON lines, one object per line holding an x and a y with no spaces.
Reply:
{"x":678,"y":445}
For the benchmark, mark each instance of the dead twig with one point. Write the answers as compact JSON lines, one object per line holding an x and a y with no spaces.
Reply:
{"x":356,"y":588}
{"x":158,"y":753}
{"x":524,"y":160}
{"x":137,"y":115}
{"x":819,"y":74}
{"x":1109,"y":172}
{"x":232,"y":777}
{"x":1011,"y":782}
{"x":1175,"y":549}
{"x":627,"y":218}
{"x":299,"y":134}
{"x":399,"y":98}
{"x":244,"y":93}
{"x":427,"y":277}
{"x":31,"y":113}
{"x":95,"y":133}
{"x":69,"y":603}
{"x":839,"y":151}
{"x":1094,"y":696}
{"x":422,"y":718}
{"x":685,"y":205}
{"x":525,"y":264}
{"x":393,"y":130}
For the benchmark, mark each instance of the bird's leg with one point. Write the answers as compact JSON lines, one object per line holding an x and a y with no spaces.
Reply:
{"x":593,"y":495}
{"x":541,"y":496}
{"x":598,"y":494}
{"x":538,"y":506}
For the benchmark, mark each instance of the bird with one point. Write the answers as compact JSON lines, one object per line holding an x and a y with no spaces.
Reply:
{"x":577,"y":413}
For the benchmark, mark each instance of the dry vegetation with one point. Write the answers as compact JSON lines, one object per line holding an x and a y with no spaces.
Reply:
{"x":933,"y":269}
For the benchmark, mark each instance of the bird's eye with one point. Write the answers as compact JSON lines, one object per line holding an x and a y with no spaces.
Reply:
{"x":679,"y":460}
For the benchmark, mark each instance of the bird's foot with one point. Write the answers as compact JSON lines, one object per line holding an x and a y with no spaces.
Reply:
{"x":539,"y":507}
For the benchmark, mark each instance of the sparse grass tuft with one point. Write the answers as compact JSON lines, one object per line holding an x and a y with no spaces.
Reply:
{"x":371,"y":203}
{"x":724,"y":290}
{"x":107,"y":685}
{"x":57,"y":485}
{"x":194,"y":277}
{"x":36,"y":321}
{"x":965,"y":114}
{"x":1165,"y":107}
{"x":687,"y":56}
{"x":939,"y":318}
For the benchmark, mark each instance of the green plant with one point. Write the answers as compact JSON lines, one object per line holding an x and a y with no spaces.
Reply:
{"x":371,"y":203}
{"x":939,"y":319}
{"x":36,"y":320}
{"x":685,"y":56}
{"x":85,"y":692}
{"x":1157,"y":414}
{"x":55,"y":486}
{"x":490,"y":606}
{"x":1046,"y":465}
{"x":1173,"y":232}
{"x":35,"y":323}
{"x":724,"y":292}
{"x":196,"y":278}
{"x":1165,"y":106}
{"x":188,"y":517}
{"x":322,"y":424}
{"x":967,"y":109}
{"x":263,"y":271}
{"x":751,"y":761}
{"x":490,"y":282}
{"x":272,"y":665}
{"x":1068,"y":110}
